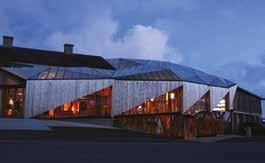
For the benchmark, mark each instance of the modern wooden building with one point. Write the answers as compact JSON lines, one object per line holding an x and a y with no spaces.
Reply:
{"x":157,"y":97}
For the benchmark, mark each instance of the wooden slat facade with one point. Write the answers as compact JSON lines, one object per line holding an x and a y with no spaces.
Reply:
{"x":42,"y":95}
{"x":192,"y":93}
{"x":247,"y":103}
{"x":128,"y":94}
{"x":216,"y":95}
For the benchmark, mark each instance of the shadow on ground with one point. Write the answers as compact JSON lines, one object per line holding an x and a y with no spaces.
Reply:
{"x":85,"y":134}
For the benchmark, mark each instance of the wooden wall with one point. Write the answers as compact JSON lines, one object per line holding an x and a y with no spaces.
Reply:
{"x":192,"y":93}
{"x":128,"y":94}
{"x":216,"y":95}
{"x":246,"y":102}
{"x":42,"y":95}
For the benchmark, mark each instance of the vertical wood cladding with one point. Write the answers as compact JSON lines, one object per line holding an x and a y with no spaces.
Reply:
{"x":247,"y":103}
{"x":192,"y":93}
{"x":216,"y":95}
{"x":129,"y":94}
{"x":42,"y":95}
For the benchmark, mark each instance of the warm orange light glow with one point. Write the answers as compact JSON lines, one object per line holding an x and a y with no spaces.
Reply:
{"x":51,"y":112}
{"x":75,"y":107}
{"x":9,"y":112}
{"x":66,"y":106}
{"x":95,"y":104}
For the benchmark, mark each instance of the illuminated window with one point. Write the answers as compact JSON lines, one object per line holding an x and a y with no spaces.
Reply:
{"x":43,"y":75}
{"x":66,"y":106}
{"x":51,"y":74}
{"x":172,"y":96}
{"x":139,"y":108}
{"x":97,"y":104}
{"x":12,"y":102}
{"x":170,"y":102}
{"x":220,"y":107}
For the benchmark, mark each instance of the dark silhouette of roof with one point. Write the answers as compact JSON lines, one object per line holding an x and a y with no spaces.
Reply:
{"x":9,"y":56}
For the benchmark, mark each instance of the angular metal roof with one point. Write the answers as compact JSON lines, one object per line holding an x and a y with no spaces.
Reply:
{"x":136,"y":66}
{"x":35,"y":72}
{"x":126,"y":69}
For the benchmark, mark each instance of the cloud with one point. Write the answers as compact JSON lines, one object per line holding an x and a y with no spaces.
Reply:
{"x":100,"y":37}
{"x":147,"y":42}
{"x":150,"y":7}
{"x":247,"y":75}
{"x":148,"y":30}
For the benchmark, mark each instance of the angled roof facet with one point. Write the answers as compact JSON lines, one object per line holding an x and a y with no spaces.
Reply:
{"x":34,"y":72}
{"x":25,"y":72}
{"x":148,"y":66}
{"x":73,"y":73}
{"x":126,"y":69}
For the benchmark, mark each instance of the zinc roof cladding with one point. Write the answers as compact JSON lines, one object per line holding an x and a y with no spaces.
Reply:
{"x":27,"y":71}
{"x":183,"y":72}
{"x":122,"y":63}
{"x":73,"y":73}
{"x":164,"y":75}
{"x":125,"y":69}
{"x":33,"y":72}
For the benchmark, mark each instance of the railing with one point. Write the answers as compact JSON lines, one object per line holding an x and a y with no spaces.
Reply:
{"x":173,"y":124}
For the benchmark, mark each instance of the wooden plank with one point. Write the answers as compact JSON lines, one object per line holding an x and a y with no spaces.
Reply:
{"x":42,"y":95}
{"x":192,"y":93}
{"x":216,"y":95}
{"x":232,"y":92}
{"x":128,"y":94}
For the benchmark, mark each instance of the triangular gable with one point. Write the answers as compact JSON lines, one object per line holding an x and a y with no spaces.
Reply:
{"x":129,"y":94}
{"x":43,"y":95}
{"x":192,"y":93}
{"x":232,"y":92}
{"x":216,"y":95}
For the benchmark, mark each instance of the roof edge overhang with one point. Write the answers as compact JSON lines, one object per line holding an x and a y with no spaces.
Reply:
{"x":251,"y":93}
{"x":18,"y":76}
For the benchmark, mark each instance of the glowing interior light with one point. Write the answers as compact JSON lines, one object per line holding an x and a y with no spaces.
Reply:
{"x":20,"y":94}
{"x":11,"y":102}
{"x":152,"y":99}
{"x":220,"y":106}
{"x":172,"y":95}
{"x":75,"y":108}
{"x":139,"y":107}
{"x":51,"y":112}
{"x":66,"y":106}
{"x":9,"y":112}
